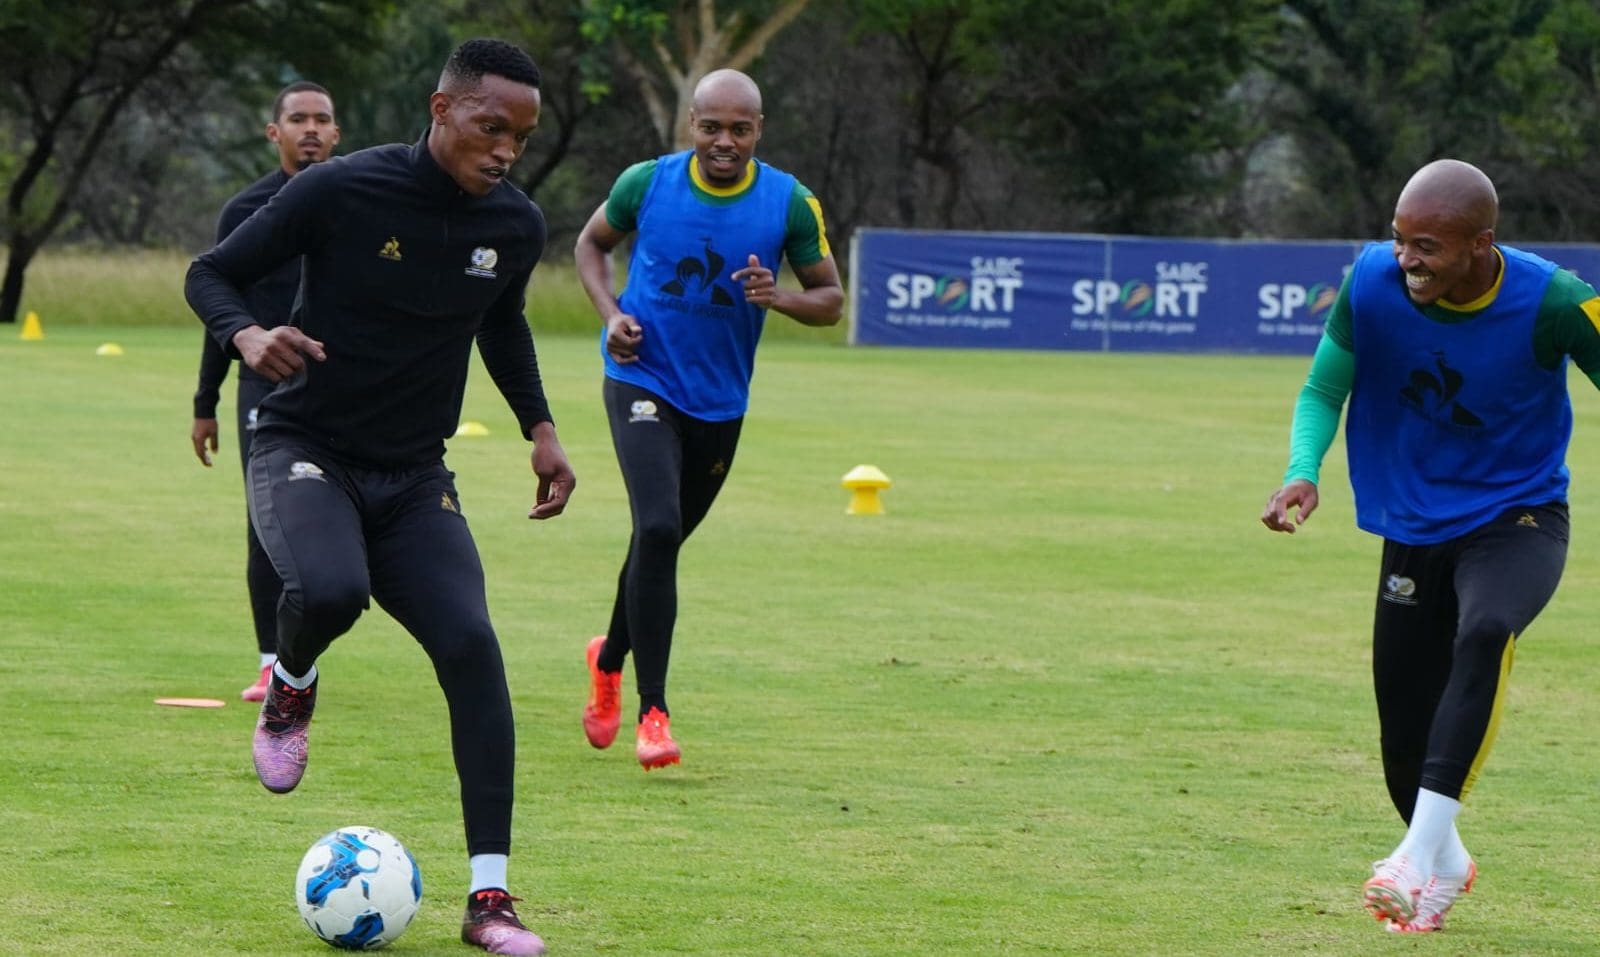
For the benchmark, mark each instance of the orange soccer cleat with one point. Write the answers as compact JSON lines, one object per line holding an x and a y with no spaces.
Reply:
{"x":603,"y":714}
{"x":655,"y":746}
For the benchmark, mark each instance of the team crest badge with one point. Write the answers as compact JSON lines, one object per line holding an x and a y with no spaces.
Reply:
{"x":305,"y":470}
{"x":1400,"y":590}
{"x":483,"y":261}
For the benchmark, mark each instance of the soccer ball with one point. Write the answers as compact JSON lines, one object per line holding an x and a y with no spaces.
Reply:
{"x":358,"y":888}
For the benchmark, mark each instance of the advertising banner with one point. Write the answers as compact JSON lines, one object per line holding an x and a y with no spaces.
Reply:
{"x":1122,"y":293}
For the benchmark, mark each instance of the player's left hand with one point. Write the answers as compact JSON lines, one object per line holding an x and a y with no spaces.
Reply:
{"x":204,"y":436}
{"x":760,"y":285}
{"x":556,"y":480}
{"x":1290,"y":506}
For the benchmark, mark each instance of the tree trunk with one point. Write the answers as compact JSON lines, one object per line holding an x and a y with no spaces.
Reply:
{"x":22,"y":250}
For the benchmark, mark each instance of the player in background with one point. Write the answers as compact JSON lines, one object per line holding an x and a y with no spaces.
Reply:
{"x":1452,"y":350}
{"x":711,"y":224}
{"x":303,"y":131}
{"x":410,"y":254}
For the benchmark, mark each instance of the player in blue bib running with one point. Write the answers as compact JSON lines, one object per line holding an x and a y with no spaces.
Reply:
{"x":711,"y":224}
{"x":1452,"y":350}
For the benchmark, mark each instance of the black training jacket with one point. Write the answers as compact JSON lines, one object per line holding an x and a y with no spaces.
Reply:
{"x":270,"y":299}
{"x":401,"y":271}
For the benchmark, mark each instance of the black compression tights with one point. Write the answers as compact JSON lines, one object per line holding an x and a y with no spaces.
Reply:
{"x":674,"y":466}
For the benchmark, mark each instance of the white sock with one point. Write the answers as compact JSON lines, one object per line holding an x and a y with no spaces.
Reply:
{"x":1453,"y":859}
{"x":267,"y":660}
{"x":1431,"y":825}
{"x":488,"y":870}
{"x":299,"y":684}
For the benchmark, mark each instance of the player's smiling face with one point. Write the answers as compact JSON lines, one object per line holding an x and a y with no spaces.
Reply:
{"x":726,"y":131}
{"x":1435,"y":249}
{"x":479,"y":134}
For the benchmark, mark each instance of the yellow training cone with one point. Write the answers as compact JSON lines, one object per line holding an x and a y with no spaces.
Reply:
{"x":31,"y":330}
{"x":864,"y":481}
{"x":472,"y":429}
{"x":108,"y":349}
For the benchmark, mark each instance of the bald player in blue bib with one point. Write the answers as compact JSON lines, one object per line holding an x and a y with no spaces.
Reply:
{"x":1452,"y":350}
{"x":711,"y":224}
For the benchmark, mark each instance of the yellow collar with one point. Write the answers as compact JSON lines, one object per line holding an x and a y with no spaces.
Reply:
{"x":1488,"y":297}
{"x":734,"y":190}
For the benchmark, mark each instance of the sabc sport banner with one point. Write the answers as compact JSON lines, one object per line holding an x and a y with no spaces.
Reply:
{"x":1122,"y":293}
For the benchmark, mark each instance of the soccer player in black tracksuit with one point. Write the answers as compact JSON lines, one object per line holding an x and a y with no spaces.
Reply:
{"x":409,"y":254}
{"x":304,"y":132}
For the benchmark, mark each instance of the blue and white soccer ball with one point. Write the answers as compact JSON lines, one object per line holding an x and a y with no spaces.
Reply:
{"x":358,"y":888}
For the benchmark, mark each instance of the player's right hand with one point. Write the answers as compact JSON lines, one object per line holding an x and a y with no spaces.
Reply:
{"x":204,"y":436}
{"x":277,"y":353}
{"x":623,"y":334}
{"x":1298,"y":495}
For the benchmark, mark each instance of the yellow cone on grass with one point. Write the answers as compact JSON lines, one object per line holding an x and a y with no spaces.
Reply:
{"x":472,"y":429}
{"x":864,"y":482}
{"x":32,"y":331}
{"x":108,"y":349}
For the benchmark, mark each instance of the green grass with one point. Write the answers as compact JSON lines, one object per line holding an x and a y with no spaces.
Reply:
{"x":77,"y":286}
{"x":1066,"y":697}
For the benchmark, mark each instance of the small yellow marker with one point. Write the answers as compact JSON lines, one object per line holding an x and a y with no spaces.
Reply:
{"x":864,"y":481}
{"x":32,"y":331}
{"x":471,"y":430}
{"x":108,"y":349}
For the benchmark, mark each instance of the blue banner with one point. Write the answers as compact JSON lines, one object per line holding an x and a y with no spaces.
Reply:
{"x":1123,"y":293}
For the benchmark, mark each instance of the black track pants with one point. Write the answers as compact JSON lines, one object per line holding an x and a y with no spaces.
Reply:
{"x":1445,"y":631}
{"x":674,"y":466}
{"x":338,"y":535}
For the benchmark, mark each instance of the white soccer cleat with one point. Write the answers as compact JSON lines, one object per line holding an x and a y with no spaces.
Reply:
{"x":1394,"y":890}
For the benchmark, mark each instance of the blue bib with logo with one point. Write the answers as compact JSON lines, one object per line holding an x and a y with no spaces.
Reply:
{"x":699,"y":343}
{"x":1451,"y":424}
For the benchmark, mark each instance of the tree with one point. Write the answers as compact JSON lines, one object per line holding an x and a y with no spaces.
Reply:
{"x":1383,"y":86}
{"x":947,"y":57}
{"x":1547,"y":174}
{"x":71,"y":69}
{"x":1130,"y":103}
{"x":667,"y":46}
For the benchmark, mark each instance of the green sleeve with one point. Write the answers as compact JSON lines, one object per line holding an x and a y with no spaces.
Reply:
{"x":1340,"y":327}
{"x":1569,"y":325}
{"x":805,"y":239}
{"x":1316,"y":412}
{"x":627,"y":195}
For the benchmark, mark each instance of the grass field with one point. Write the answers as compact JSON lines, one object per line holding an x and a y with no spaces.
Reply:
{"x":1066,"y":697}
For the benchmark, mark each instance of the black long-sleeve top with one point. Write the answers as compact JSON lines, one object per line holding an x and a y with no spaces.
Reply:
{"x":401,"y":271}
{"x":270,"y":299}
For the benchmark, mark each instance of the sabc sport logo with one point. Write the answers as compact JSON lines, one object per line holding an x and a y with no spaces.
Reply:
{"x":1284,"y":300}
{"x":991,"y":286}
{"x":1177,"y":290}
{"x":1175,"y":294}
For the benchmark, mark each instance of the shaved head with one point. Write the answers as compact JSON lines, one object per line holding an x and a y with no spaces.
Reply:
{"x":724,"y":126}
{"x":1452,"y":190}
{"x":1444,"y":233}
{"x":728,"y":88}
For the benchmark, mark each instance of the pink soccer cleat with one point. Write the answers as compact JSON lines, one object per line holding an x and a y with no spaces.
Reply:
{"x":279,"y":747}
{"x":491,"y":923}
